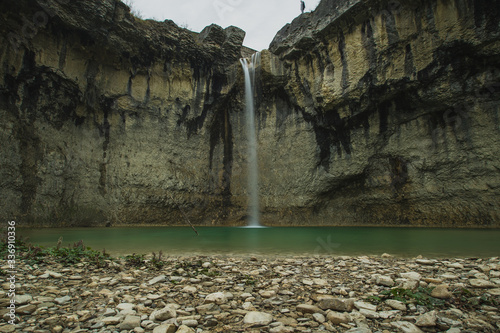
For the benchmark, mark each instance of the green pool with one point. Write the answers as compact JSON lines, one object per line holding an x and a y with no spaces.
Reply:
{"x":290,"y":240}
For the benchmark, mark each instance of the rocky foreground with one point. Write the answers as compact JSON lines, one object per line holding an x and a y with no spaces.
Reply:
{"x":258,"y":294}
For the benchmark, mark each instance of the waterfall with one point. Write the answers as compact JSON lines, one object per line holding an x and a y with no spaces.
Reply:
{"x":253,"y":169}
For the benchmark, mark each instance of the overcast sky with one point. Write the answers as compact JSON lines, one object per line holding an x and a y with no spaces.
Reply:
{"x":261,"y":19}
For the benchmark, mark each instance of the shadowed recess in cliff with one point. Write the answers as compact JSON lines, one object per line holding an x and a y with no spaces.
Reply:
{"x":212,"y":100}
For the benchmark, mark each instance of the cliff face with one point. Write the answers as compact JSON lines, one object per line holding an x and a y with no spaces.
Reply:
{"x":108,"y":118}
{"x":369,"y":112}
{"x":392,"y":114}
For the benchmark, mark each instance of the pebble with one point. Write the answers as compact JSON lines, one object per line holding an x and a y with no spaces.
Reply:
{"x":23,"y":299}
{"x":165,"y":328}
{"x":163,"y":314}
{"x":217,"y":298}
{"x":265,"y":293}
{"x":337,"y":304}
{"x":337,"y":317}
{"x":406,"y":327}
{"x":481,"y":283}
{"x":426,"y":319}
{"x":111,"y":320}
{"x":256,"y":318}
{"x":397,"y":305}
{"x":307,"y":308}
{"x":130,"y":322}
{"x":160,"y":278}
{"x":385,"y":281}
{"x":441,"y":291}
{"x":184,"y":329}
{"x":62,"y":300}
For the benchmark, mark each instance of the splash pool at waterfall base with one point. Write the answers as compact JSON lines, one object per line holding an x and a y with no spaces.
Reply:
{"x":335,"y":241}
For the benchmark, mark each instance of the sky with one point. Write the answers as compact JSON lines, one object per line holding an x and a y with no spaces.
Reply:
{"x":261,"y":19}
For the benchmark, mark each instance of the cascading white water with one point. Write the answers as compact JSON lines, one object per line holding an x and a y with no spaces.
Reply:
{"x":253,"y":169}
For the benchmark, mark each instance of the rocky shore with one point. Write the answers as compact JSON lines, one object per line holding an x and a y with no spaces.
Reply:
{"x":257,"y":294}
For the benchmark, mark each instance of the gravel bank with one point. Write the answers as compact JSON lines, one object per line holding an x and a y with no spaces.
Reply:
{"x":258,"y":294}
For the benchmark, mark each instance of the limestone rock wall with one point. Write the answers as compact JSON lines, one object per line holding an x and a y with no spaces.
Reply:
{"x":391,"y":115}
{"x":369,"y":113}
{"x":110,"y":119}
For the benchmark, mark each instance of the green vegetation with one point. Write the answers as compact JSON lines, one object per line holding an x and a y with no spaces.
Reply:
{"x":157,"y":262}
{"x":466,"y":300}
{"x":139,"y":260}
{"x":463,"y":299}
{"x":33,"y":254}
{"x":422,"y":296}
{"x":135,"y":260}
{"x":249,"y":280}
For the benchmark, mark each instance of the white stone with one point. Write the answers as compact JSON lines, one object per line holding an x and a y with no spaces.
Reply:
{"x":364,"y":305}
{"x":189,"y":289}
{"x":307,"y":282}
{"x":23,"y":299}
{"x":398,"y":305}
{"x":319,"y":317}
{"x":248,"y":306}
{"x":267,"y":293}
{"x":385,"y":281}
{"x":337,"y":317}
{"x":410,"y":284}
{"x":454,"y":330}
{"x":441,"y":291}
{"x":185,"y":329}
{"x":256,"y":318}
{"x":190,"y":322}
{"x":246,"y":295}
{"x":165,"y":328}
{"x":127,"y":312}
{"x":427,"y":319}
{"x":125,"y":306}
{"x":406,"y":327}
{"x":160,"y":278}
{"x":282,"y":329}
{"x":203,"y":309}
{"x":217,"y":298}
{"x":369,"y":314}
{"x":426,"y":262}
{"x":411,"y":276}
{"x":480,"y":283}
{"x":62,"y":300}
{"x":388,"y":314}
{"x":320,"y":282}
{"x":163,"y":314}
{"x":111,"y":320}
{"x":55,"y":275}
{"x":130,"y":322}
{"x":494,"y":292}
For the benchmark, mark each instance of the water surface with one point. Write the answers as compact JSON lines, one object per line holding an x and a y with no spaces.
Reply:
{"x":405,"y":242}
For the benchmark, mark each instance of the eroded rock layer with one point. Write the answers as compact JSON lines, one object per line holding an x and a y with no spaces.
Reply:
{"x":392,"y":114}
{"x":370,"y":113}
{"x":110,"y":119}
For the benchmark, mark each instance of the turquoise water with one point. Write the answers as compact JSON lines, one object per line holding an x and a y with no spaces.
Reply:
{"x":290,"y":240}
